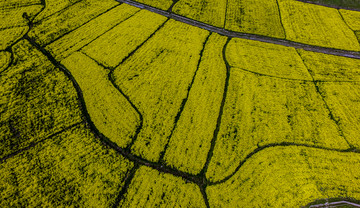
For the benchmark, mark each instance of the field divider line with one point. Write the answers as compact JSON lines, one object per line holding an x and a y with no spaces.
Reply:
{"x":102,"y":138}
{"x":129,"y":177}
{"x":33,"y":144}
{"x":331,"y":115}
{"x":248,"y":36}
{"x":283,"y":144}
{"x":184,"y":101}
{"x":221,"y":111}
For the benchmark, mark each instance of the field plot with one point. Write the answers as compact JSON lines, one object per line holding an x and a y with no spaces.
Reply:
{"x":126,"y":36}
{"x":70,"y":170}
{"x":190,"y":141}
{"x":109,"y":110}
{"x":208,"y":11}
{"x":289,"y":177}
{"x":156,"y":78}
{"x":324,"y":67}
{"x":352,"y":18}
{"x":254,"y":16}
{"x":13,"y":22}
{"x":89,"y":32}
{"x":149,"y":188}
{"x":161,"y":4}
{"x":352,"y":4}
{"x":49,"y":29}
{"x":260,"y":111}
{"x":54,"y":6}
{"x":36,"y":100}
{"x":316,"y":25}
{"x":266,"y":59}
{"x":344,"y":102}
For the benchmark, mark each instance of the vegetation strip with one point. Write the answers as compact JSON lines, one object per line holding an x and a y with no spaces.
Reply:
{"x":221,"y":31}
{"x":217,"y":129}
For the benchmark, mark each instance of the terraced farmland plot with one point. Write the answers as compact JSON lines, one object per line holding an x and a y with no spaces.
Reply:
{"x":271,"y":60}
{"x":209,"y":11}
{"x":90,"y":31}
{"x":344,"y":102}
{"x":36,"y":102}
{"x":161,"y":190}
{"x":71,"y":169}
{"x":316,"y":25}
{"x":156,"y":78}
{"x":254,"y":16}
{"x":64,"y":21}
{"x":191,"y":138}
{"x":289,"y":177}
{"x":324,"y":67}
{"x":128,"y":35}
{"x":352,"y":18}
{"x":109,"y":110}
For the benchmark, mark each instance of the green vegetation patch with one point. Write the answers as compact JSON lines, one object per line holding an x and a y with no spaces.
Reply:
{"x":156,"y":78}
{"x":260,"y":111}
{"x":70,"y":170}
{"x":91,"y":31}
{"x":65,"y":21}
{"x":37,"y":100}
{"x":326,"y":67}
{"x":112,"y":47}
{"x":266,"y":58}
{"x":208,"y":11}
{"x":289,"y":177}
{"x":316,"y":25}
{"x":254,"y":16}
{"x":343,"y":100}
{"x":109,"y":110}
{"x":191,"y":139}
{"x":149,"y":188}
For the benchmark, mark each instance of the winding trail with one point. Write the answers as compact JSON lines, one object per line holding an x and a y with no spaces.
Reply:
{"x":231,"y":34}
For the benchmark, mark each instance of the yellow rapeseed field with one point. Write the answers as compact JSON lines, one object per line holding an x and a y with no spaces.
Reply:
{"x":47,"y":30}
{"x":149,"y":188}
{"x":324,"y":67}
{"x":112,"y":47}
{"x":344,"y":101}
{"x":71,"y":170}
{"x":111,"y":113}
{"x":36,"y":100}
{"x":266,"y":59}
{"x":352,"y":18}
{"x":54,"y":6}
{"x":5,"y":58}
{"x":190,"y":142}
{"x":261,"y":110}
{"x":289,"y":177}
{"x":87,"y":33}
{"x":254,"y":16}
{"x":316,"y":25}
{"x":209,"y":11}
{"x":156,"y":79}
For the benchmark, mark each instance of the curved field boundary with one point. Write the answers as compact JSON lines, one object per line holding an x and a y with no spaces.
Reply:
{"x":221,"y":31}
